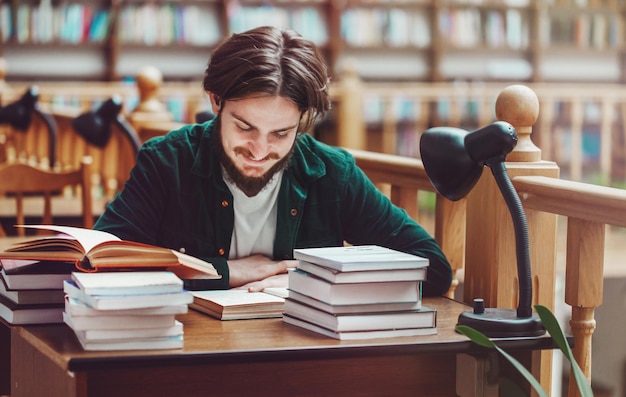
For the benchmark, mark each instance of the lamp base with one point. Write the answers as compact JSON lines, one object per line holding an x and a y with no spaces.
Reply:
{"x":502,"y":323}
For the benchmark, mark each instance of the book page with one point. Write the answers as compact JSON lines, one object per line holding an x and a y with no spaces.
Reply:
{"x":87,"y":238}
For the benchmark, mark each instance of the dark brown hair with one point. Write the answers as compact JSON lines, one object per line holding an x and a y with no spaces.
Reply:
{"x":272,"y":61}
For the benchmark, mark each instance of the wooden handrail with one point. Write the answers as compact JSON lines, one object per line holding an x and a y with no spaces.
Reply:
{"x":588,"y":208}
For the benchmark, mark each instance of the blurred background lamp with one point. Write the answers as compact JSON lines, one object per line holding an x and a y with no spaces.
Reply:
{"x":95,"y":125}
{"x":19,"y":115}
{"x":453,"y":159}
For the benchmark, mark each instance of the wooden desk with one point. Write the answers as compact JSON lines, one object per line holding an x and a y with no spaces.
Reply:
{"x":245,"y":358}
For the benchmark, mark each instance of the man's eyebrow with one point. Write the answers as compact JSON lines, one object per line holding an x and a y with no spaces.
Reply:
{"x":249,"y":124}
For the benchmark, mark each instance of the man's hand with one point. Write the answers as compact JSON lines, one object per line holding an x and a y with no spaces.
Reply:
{"x":279,"y":280}
{"x":256,"y":269}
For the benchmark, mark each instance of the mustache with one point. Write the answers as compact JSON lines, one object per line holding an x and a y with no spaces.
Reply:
{"x":248,"y":153}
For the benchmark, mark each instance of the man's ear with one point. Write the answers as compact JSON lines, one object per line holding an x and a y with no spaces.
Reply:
{"x":216,"y":103}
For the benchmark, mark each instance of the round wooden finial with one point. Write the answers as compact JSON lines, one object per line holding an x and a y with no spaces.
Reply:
{"x":149,"y":80}
{"x":519,"y":105}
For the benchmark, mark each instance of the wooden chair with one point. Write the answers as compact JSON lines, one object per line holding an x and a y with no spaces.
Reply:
{"x":20,"y":181}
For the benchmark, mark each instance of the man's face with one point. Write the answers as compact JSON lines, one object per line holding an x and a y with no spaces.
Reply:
{"x":257,"y":134}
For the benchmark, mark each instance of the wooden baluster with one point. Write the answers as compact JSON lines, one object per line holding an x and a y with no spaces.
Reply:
{"x":350,"y":125}
{"x":584,"y":280}
{"x":490,"y":262}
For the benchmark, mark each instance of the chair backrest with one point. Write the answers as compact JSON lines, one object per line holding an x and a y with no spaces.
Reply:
{"x":19,"y":181}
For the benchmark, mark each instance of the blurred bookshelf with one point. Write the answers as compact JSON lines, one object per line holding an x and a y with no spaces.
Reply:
{"x":390,"y":40}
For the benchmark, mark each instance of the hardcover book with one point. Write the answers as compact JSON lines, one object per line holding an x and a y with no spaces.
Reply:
{"x":127,"y":283}
{"x":172,"y":342}
{"x":22,"y":314}
{"x":422,"y":318}
{"x":106,"y":322}
{"x":95,"y":250}
{"x":353,"y":293}
{"x":74,"y":307}
{"x":363,"y":276}
{"x":31,"y":296}
{"x":358,"y":335}
{"x":361,"y":257}
{"x":36,"y":278}
{"x":113,"y":302}
{"x":237,"y":304}
{"x":103,"y":335}
{"x":360,"y":308}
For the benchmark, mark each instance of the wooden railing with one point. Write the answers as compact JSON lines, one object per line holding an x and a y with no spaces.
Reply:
{"x":580,"y":127}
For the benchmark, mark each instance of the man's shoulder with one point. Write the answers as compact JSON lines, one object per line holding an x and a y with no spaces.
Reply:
{"x":327,"y":153}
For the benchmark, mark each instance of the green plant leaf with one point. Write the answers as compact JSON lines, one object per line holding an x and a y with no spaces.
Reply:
{"x":554,"y":328}
{"x":482,"y":340}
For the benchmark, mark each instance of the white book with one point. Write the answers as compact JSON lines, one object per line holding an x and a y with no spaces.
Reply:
{"x":31,"y":296}
{"x":83,"y":323}
{"x":423,"y":318}
{"x":20,"y":314}
{"x":237,"y":304}
{"x":359,"y":335}
{"x":363,"y":276}
{"x":130,"y":334}
{"x":360,"y":257}
{"x":128,"y":283}
{"x":31,"y":281}
{"x":345,"y":309}
{"x":172,"y":342}
{"x":76,"y":308}
{"x":127,"y":301}
{"x":353,"y":293}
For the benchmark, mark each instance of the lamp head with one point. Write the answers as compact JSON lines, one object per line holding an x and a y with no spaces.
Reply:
{"x":18,"y":113}
{"x":454,"y":158}
{"x":95,"y":125}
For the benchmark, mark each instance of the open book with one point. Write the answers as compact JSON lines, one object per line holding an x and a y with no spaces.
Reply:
{"x":95,"y":250}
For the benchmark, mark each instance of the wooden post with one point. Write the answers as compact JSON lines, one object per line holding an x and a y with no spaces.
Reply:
{"x":150,"y":108}
{"x":490,"y":263}
{"x":351,"y":131}
{"x":3,"y":73}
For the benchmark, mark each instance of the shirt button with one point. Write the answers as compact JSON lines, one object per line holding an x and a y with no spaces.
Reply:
{"x":224,"y":203}
{"x":294,"y":212}
{"x":221,"y":251}
{"x":182,"y":250}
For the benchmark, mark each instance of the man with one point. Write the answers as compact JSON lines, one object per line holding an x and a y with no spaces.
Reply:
{"x":245,"y":189}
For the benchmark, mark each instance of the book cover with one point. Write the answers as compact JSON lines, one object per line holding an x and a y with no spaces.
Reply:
{"x":112,"y":302}
{"x":362,"y":308}
{"x":361,"y":257}
{"x":93,"y":250}
{"x":422,"y":318}
{"x":127,"y":283}
{"x":353,"y":293}
{"x":103,"y":335}
{"x":359,"y":335}
{"x":105,"y":322}
{"x":362,"y":276}
{"x":76,"y":308}
{"x":20,"y":314}
{"x":237,"y":304}
{"x":31,"y":296}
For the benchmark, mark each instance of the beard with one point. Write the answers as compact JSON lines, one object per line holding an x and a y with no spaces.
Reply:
{"x":250,"y":185}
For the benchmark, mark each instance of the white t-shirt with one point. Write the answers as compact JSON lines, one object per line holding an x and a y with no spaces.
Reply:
{"x":255,"y":219}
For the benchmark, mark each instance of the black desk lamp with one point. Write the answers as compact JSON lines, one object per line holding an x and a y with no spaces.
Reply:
{"x":453,"y":160}
{"x":95,"y":125}
{"x":19,"y":116}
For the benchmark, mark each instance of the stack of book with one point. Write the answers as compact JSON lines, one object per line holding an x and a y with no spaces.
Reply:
{"x":359,"y":292}
{"x":31,"y":292}
{"x":126,"y":310}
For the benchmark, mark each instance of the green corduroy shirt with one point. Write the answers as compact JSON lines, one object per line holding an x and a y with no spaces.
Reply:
{"x":176,"y":198}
